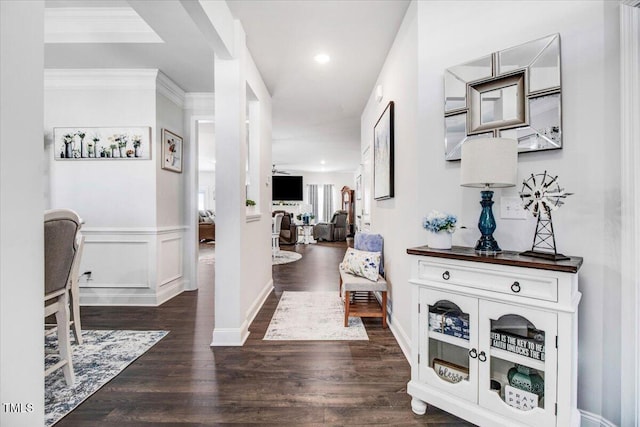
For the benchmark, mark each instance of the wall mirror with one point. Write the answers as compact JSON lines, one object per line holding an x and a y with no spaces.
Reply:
{"x":514,"y":93}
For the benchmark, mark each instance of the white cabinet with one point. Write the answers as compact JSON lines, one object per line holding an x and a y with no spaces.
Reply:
{"x":495,"y":339}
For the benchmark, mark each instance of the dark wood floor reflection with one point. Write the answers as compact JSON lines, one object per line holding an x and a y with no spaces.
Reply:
{"x":182,"y":381}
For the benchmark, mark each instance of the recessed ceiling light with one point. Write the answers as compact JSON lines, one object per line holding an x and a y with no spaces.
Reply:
{"x":322,"y":162}
{"x":322,"y":58}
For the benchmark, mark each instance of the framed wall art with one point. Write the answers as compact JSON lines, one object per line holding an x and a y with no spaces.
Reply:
{"x":383,"y":155}
{"x":102,"y":143}
{"x":171,"y":151}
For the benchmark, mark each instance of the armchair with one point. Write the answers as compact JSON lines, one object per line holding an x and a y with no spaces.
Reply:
{"x":335,"y":230}
{"x":288,"y":230}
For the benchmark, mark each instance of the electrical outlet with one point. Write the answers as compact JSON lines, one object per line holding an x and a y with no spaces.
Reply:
{"x":511,"y":208}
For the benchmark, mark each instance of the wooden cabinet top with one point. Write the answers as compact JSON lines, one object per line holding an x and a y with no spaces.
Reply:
{"x":512,"y":258}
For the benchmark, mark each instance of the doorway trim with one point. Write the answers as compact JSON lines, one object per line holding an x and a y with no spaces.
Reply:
{"x":192,"y":197}
{"x":630,"y":210}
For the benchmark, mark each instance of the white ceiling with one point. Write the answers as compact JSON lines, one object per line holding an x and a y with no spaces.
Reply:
{"x":316,"y":108}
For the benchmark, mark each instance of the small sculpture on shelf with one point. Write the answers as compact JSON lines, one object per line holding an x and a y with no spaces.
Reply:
{"x":527,"y":379}
{"x":540,"y":195}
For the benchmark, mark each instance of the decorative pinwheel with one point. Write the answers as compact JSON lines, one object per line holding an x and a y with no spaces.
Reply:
{"x":541,"y":194}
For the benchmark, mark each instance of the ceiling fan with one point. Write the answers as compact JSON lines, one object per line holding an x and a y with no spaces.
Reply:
{"x":275,"y":171}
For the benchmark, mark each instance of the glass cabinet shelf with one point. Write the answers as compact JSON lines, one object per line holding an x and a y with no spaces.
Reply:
{"x":515,"y":358}
{"x":449,"y":339}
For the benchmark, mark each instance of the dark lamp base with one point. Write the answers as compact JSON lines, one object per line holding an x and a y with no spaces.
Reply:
{"x":487,"y":246}
{"x":545,"y":255}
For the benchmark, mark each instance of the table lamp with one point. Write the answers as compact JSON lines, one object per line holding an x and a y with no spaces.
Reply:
{"x":489,"y":163}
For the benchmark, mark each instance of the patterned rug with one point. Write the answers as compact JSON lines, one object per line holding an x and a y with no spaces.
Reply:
{"x":102,"y":356}
{"x":285,"y":257}
{"x":305,"y":316}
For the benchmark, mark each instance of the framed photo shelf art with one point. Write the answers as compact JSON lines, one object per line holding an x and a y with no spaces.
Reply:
{"x":171,"y":151}
{"x":383,"y":155}
{"x":102,"y":143}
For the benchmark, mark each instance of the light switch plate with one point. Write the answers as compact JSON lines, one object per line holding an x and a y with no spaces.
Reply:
{"x":511,"y":208}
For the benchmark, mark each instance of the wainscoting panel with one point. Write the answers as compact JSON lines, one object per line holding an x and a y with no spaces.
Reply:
{"x":170,"y":259}
{"x":115,"y":263}
{"x":139,"y":267}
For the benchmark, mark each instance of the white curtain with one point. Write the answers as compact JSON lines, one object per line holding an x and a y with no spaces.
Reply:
{"x":320,"y":197}
{"x":327,"y":208}
{"x":314,"y":200}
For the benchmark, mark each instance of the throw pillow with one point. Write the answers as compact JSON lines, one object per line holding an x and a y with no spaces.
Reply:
{"x":361,"y":263}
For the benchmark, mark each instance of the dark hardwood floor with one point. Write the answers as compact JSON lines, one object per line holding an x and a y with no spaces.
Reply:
{"x":182,"y":381}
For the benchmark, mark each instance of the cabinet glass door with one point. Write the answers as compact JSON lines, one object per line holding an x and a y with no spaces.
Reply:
{"x":517,"y":362}
{"x":448,"y":331}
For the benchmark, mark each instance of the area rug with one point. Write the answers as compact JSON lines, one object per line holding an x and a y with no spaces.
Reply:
{"x":285,"y":257}
{"x":306,"y":316}
{"x":102,"y":356}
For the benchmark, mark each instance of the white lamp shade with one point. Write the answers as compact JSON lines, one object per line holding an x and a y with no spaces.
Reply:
{"x":489,"y":162}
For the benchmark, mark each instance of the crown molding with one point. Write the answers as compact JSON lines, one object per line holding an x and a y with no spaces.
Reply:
{"x":200,"y":101}
{"x":97,"y":25}
{"x":100,"y":78}
{"x":168,"y":88}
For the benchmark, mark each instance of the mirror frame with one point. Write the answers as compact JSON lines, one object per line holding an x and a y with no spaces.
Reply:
{"x":519,"y":76}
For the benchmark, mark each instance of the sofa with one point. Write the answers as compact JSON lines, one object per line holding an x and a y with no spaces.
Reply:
{"x":206,"y":225}
{"x":288,"y":230}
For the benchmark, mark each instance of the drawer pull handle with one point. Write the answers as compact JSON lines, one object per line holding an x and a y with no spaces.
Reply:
{"x":473,"y":353}
{"x":515,"y":287}
{"x":446,"y":275}
{"x":482,"y":356}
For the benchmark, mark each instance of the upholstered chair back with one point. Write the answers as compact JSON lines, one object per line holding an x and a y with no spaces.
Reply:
{"x":60,"y":248}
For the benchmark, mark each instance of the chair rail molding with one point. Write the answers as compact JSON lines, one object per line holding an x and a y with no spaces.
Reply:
{"x":630,"y":195}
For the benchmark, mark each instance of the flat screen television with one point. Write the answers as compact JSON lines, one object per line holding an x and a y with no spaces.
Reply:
{"x":286,"y":188}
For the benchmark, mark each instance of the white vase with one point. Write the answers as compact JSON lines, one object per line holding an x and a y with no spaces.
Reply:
{"x":439,"y":240}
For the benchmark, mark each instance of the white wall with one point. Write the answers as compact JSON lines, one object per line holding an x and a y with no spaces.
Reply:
{"x":104,"y":193}
{"x":21,"y":211}
{"x":588,"y":165}
{"x":393,"y":218}
{"x":133,"y":209}
{"x":257,"y":241}
{"x":170,"y":186}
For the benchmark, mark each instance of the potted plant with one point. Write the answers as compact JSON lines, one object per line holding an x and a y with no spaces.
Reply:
{"x":250,"y":202}
{"x":441,"y":227}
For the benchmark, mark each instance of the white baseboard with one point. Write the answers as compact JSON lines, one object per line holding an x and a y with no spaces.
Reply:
{"x":123,"y":297}
{"x":589,"y":419}
{"x":400,"y":335}
{"x":230,"y":337}
{"x":171,"y":290}
{"x":259,"y":301}
{"x":223,"y":337}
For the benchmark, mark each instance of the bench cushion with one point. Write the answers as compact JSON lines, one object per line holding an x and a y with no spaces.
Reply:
{"x":352,"y":283}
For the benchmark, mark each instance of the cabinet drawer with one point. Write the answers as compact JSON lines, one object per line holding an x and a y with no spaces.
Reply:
{"x":543,"y":288}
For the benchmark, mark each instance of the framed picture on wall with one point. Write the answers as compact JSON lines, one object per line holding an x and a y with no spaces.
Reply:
{"x":383,"y":155}
{"x":171,"y":151}
{"x":102,"y":143}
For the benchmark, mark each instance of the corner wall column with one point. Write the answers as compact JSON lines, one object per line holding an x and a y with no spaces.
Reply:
{"x":230,"y":326}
